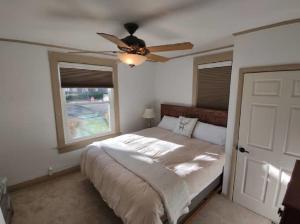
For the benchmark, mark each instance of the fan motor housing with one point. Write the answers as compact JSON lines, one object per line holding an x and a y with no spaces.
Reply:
{"x":137,"y":46}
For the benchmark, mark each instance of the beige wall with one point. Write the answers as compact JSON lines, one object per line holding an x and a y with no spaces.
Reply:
{"x":135,"y":93}
{"x":174,"y":81}
{"x":27,"y":127}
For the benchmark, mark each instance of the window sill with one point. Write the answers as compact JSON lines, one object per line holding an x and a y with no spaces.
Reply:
{"x":81,"y":144}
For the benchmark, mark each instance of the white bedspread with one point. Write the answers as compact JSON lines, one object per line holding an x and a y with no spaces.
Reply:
{"x":134,"y":200}
{"x":171,"y":188}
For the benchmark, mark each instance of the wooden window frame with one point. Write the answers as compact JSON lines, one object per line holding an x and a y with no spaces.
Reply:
{"x":207,"y":59}
{"x":54,"y":59}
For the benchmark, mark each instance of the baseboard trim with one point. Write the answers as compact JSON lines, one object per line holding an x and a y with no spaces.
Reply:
{"x":42,"y":179}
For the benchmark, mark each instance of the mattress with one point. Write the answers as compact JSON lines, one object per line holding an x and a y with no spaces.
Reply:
{"x":197,"y":162}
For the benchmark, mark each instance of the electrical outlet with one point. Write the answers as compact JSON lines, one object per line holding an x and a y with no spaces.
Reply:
{"x":50,"y":170}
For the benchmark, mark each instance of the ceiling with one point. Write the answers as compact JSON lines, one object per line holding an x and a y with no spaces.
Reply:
{"x":74,"y":23}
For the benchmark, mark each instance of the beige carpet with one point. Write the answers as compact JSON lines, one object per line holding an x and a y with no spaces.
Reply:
{"x":72,"y":199}
{"x":219,"y":210}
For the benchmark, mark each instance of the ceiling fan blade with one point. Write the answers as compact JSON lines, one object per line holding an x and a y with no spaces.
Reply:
{"x":156,"y":58}
{"x":113,"y":39}
{"x":171,"y":47}
{"x":92,"y":52}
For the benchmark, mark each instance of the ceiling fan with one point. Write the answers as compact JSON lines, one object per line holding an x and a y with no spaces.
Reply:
{"x":133,"y":51}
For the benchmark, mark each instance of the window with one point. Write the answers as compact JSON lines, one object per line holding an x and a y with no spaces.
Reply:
{"x":214,"y":85}
{"x":85,"y":99}
{"x":211,"y":80}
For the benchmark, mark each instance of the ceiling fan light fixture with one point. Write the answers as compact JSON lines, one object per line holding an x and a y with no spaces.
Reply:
{"x":132,"y":59}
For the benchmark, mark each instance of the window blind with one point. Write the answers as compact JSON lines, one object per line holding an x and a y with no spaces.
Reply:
{"x":213,"y":87}
{"x":85,"y":78}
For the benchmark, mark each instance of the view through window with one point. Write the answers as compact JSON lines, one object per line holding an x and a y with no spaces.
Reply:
{"x":87,"y":112}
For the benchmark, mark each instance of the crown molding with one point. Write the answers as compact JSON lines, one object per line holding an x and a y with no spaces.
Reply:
{"x":104,"y":54}
{"x":49,"y":45}
{"x":291,"y":21}
{"x":203,"y":51}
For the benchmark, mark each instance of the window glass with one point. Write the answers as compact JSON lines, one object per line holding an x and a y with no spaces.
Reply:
{"x":87,"y":112}
{"x":85,"y":97}
{"x":86,"y":100}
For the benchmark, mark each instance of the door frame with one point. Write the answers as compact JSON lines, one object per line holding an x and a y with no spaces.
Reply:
{"x":242,"y":72}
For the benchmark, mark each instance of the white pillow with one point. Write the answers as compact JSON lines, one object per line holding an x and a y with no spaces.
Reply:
{"x":185,"y":126}
{"x":168,"y":123}
{"x":210,"y":133}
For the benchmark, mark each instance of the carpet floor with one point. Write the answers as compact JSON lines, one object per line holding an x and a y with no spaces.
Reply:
{"x":72,"y":199}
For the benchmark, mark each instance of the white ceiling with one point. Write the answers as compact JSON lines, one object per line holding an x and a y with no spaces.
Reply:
{"x":74,"y":23}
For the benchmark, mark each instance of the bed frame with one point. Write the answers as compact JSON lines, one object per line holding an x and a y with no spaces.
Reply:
{"x":211,"y":116}
{"x":216,"y":117}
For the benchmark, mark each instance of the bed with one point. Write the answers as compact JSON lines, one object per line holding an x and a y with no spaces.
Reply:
{"x":198,"y":164}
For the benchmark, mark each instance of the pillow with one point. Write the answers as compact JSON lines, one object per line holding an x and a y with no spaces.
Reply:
{"x":210,"y":133}
{"x":185,"y":126}
{"x":168,"y":123}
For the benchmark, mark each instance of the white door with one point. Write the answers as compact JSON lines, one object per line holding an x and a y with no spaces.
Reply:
{"x":270,"y":135}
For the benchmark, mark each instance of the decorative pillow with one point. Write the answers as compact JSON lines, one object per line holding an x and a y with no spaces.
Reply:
{"x":185,"y":126}
{"x":168,"y":123}
{"x":210,"y":133}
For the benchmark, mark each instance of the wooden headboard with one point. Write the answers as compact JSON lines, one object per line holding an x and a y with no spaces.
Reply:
{"x":216,"y":117}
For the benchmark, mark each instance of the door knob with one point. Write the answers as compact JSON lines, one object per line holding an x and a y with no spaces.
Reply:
{"x":243,"y":150}
{"x":280,"y":212}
